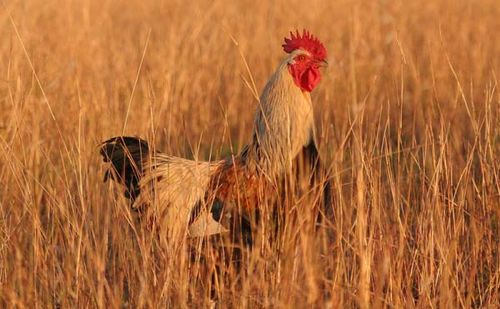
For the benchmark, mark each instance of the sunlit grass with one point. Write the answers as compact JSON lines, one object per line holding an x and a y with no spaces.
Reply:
{"x":408,"y":120}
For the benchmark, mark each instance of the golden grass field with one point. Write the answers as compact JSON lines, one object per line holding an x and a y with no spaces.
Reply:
{"x":408,"y":115}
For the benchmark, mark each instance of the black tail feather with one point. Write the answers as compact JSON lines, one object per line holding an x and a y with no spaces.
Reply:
{"x":127,"y":156}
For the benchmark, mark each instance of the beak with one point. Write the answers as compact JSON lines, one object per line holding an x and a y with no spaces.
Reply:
{"x":322,"y":63}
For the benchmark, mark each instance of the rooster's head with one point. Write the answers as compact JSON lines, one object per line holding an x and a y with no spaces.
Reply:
{"x":307,"y":55}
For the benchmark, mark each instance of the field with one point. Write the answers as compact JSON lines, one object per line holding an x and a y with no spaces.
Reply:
{"x":408,"y":119}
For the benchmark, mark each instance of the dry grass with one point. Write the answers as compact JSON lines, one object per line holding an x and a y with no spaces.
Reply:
{"x":409,"y":120}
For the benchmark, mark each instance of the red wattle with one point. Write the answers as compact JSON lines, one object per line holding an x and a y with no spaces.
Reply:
{"x":305,"y":78}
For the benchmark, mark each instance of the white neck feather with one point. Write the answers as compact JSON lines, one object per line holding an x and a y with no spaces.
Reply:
{"x":284,"y":123}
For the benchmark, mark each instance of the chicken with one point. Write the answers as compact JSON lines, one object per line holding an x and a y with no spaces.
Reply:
{"x":187,"y":197}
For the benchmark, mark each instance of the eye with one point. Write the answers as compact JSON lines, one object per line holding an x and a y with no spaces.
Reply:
{"x":300,"y":58}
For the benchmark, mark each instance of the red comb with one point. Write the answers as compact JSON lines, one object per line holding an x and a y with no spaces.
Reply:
{"x":306,"y":42}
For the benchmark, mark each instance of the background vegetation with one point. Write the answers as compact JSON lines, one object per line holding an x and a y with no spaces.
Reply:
{"x":408,"y":115}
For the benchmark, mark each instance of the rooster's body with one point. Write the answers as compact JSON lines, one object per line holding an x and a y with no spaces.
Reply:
{"x":188,"y":195}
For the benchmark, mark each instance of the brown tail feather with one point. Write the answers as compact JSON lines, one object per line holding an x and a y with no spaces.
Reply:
{"x":126,"y":155}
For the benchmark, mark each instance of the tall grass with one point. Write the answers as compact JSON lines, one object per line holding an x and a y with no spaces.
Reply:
{"x":408,"y":115}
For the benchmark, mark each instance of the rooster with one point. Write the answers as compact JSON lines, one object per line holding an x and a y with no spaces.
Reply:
{"x":189,"y":197}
